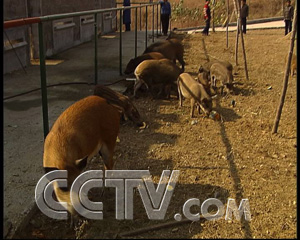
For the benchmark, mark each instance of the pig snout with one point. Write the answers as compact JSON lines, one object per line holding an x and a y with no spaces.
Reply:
{"x":135,"y":117}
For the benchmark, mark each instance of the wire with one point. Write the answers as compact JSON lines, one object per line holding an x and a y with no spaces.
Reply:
{"x":14,"y":51}
{"x":60,"y":84}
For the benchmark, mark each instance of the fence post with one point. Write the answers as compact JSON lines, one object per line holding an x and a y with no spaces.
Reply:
{"x":227,"y":10}
{"x":135,"y":34}
{"x":157,"y":20}
{"x":152,"y":23}
{"x":120,"y":43}
{"x":96,"y":49}
{"x":146,"y":33}
{"x":43,"y":80}
{"x":213,"y":15}
{"x":140,"y":17}
{"x":160,"y":20}
{"x":242,"y":37}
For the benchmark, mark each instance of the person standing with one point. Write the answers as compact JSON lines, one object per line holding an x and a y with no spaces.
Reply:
{"x":244,"y":15}
{"x":207,"y":17}
{"x":165,"y":15}
{"x":127,"y":15}
{"x":288,"y":14}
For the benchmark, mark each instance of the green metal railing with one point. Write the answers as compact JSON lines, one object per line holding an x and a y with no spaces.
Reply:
{"x":158,"y":20}
{"x":40,"y":20}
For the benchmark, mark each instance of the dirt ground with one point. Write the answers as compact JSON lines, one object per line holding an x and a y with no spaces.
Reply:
{"x":238,"y":158}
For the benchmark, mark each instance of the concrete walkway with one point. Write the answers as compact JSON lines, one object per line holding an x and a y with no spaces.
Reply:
{"x":263,"y":25}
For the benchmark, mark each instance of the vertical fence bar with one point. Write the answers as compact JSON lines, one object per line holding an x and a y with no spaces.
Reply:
{"x":43,"y":80}
{"x":157,"y":20}
{"x":140,"y":17}
{"x":116,"y":20}
{"x":135,"y":34}
{"x":146,"y":27}
{"x":152,"y":23}
{"x":160,"y":19}
{"x":96,"y":49}
{"x":120,"y":46}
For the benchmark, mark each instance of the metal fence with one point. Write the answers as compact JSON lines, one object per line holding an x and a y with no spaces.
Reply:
{"x":42,"y":19}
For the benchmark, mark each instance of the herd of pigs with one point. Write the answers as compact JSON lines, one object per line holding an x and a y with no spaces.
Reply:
{"x":91,"y":125}
{"x":156,"y":69}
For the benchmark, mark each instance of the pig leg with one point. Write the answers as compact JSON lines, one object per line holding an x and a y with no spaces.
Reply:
{"x":192,"y":107}
{"x":168,"y":91}
{"x":138,"y":84}
{"x":107,"y":156}
{"x":180,"y":59}
{"x":206,"y":112}
{"x":198,"y":108}
{"x":161,"y":90}
{"x":179,"y":94}
{"x":222,"y":90}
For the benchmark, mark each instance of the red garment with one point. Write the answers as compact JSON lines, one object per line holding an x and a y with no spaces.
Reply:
{"x":206,"y":11}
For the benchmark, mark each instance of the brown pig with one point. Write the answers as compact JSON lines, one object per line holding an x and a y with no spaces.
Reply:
{"x":195,"y":91}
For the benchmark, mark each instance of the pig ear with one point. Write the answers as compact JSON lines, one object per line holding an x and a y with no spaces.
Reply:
{"x":81,"y":163}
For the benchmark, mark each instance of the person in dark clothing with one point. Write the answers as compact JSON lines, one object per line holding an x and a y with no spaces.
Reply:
{"x":288,"y":14}
{"x":165,"y":15}
{"x":207,"y":17}
{"x":127,"y":15}
{"x":244,"y":15}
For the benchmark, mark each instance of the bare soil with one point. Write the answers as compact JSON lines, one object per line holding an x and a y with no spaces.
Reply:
{"x":238,"y":158}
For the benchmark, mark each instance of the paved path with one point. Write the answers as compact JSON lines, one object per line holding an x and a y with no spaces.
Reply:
{"x":274,"y":24}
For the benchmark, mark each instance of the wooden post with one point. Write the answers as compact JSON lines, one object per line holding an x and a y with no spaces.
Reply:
{"x":237,"y":33}
{"x":213,"y":15}
{"x":227,"y":23}
{"x":242,"y":39}
{"x":287,"y":72}
{"x":237,"y":43}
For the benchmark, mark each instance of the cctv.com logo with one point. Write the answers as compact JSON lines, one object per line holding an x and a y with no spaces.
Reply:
{"x":155,"y":200}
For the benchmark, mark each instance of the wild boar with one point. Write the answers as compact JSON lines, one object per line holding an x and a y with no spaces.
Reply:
{"x":195,"y":91}
{"x":221,"y":77}
{"x":156,"y":73}
{"x":134,"y":62}
{"x":84,"y":129}
{"x":204,"y":79}
{"x":205,"y":67}
{"x":171,"y":49}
